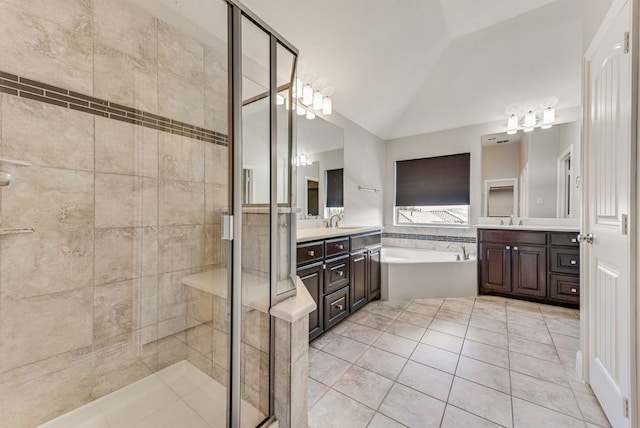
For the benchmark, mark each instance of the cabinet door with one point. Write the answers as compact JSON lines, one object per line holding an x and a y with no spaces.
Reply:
{"x":495,"y":267}
{"x":529,"y":270}
{"x":374,"y":274}
{"x":358,"y":280}
{"x":313,"y":279}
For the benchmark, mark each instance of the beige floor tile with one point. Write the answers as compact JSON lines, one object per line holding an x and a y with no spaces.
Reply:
{"x":336,"y":410}
{"x":412,"y":408}
{"x":487,"y":337}
{"x":383,"y":310}
{"x":529,"y":415}
{"x":316,"y":391}
{"x":482,"y":401}
{"x":543,"y":393}
{"x":408,"y":331}
{"x":415,"y":319}
{"x":382,"y":362}
{"x":526,"y":320}
{"x":567,"y":342}
{"x":488,"y":324}
{"x":364,"y":386}
{"x":426,"y":310}
{"x":457,"y":317}
{"x":527,"y":333}
{"x":345,"y":348}
{"x":591,"y":410}
{"x":425,"y":379}
{"x":448,"y":327}
{"x":540,"y":369}
{"x":457,"y":418}
{"x":326,"y":368}
{"x":495,"y":314}
{"x":395,"y":344}
{"x":362,"y":333}
{"x":436,"y":358}
{"x":487,"y":353}
{"x":176,"y":414}
{"x":485,"y":374}
{"x":381,"y":421}
{"x":534,"y":349}
{"x":442,"y":341}
{"x":371,"y":320}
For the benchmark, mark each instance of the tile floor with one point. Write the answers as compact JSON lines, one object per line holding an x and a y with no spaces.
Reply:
{"x":179,"y":396}
{"x":461,"y":362}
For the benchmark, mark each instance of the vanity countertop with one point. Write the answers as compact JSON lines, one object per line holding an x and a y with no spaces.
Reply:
{"x":546,"y":228}
{"x":311,"y":234}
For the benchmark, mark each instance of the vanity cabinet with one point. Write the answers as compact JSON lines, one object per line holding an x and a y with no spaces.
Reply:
{"x":536,"y":265}
{"x":342,"y":274}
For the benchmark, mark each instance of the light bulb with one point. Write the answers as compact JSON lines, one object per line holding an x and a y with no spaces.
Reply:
{"x":512,"y":131}
{"x":512,"y":123}
{"x":310,"y":115}
{"x":298,"y":88}
{"x":307,"y":95}
{"x":317,"y":100}
{"x":327,"y":106}
{"x":300,"y":111}
{"x":529,"y":120}
{"x":528,"y":129}
{"x":549,"y":117}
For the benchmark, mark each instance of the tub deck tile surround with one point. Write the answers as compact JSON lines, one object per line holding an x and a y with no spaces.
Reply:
{"x":491,"y":384}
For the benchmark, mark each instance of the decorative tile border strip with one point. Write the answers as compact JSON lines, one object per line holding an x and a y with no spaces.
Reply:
{"x":440,"y":238}
{"x":38,"y":91}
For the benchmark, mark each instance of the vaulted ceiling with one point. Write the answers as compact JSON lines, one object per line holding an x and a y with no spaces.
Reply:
{"x":400,"y":68}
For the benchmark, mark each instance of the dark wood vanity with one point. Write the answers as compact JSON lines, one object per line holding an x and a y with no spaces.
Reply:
{"x":528,"y":264}
{"x":342,"y":273}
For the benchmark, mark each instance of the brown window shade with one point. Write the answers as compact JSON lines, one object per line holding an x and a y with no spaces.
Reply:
{"x":335,"y":195}
{"x":442,"y":180}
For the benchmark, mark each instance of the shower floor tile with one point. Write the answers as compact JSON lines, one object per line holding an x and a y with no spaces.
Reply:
{"x":179,"y":395}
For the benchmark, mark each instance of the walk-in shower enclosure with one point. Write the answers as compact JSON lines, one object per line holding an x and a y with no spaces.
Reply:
{"x":151,"y":225}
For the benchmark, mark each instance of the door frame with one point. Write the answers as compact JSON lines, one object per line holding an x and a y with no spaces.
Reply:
{"x":583,"y":357}
{"x":563,"y":181}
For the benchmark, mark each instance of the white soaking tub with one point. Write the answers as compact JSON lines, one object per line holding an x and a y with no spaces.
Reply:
{"x":409,"y":273}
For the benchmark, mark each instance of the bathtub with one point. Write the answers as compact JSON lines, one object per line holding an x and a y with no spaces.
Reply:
{"x":409,"y":273}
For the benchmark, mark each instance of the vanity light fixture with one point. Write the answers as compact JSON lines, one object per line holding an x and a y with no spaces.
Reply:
{"x":317,"y":100}
{"x":512,"y":124}
{"x":548,"y":118}
{"x":300,"y":110}
{"x":307,"y":95}
{"x":529,"y":120}
{"x":310,"y":115}
{"x":302,"y":160}
{"x":327,"y":106}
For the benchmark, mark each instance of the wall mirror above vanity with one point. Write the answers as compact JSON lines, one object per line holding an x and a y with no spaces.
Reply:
{"x":532,"y":174}
{"x":320,"y":162}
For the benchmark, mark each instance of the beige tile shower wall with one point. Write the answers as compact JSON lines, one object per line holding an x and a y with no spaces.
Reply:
{"x":93,"y":300}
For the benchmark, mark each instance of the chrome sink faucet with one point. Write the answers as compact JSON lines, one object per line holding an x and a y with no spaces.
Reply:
{"x":339,"y":216}
{"x":511,"y":220}
{"x":465,"y":256}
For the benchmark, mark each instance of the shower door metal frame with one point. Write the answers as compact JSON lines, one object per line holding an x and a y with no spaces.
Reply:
{"x":236,"y":11}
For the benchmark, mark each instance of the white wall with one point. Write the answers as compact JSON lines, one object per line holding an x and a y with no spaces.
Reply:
{"x":593,"y":13}
{"x":460,"y":140}
{"x":364,"y":165}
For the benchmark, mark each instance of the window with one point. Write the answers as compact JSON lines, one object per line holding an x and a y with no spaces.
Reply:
{"x":433,"y":191}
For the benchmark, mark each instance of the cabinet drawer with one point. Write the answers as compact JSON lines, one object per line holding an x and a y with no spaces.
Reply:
{"x":513,"y":236}
{"x":336,"y":307}
{"x":565,"y":260}
{"x":361,"y":241}
{"x":565,"y":239}
{"x":310,"y":252}
{"x":564,"y":288}
{"x":336,"y":274}
{"x":336,"y":247}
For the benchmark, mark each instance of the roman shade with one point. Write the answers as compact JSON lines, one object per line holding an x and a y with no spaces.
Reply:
{"x":442,"y":180}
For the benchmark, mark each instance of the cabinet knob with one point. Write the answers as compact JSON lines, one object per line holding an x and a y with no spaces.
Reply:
{"x":515,"y":248}
{"x":573,"y":262}
{"x":311,"y":253}
{"x":508,"y":247}
{"x":340,"y":247}
{"x":574,"y":240}
{"x":574,"y":290}
{"x":340,"y":307}
{"x":340,"y":273}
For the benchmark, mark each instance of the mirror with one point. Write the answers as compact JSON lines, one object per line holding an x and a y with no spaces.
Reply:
{"x":532,"y":174}
{"x":320,"y":149}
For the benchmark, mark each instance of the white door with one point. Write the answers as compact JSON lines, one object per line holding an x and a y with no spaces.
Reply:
{"x":607,"y":193}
